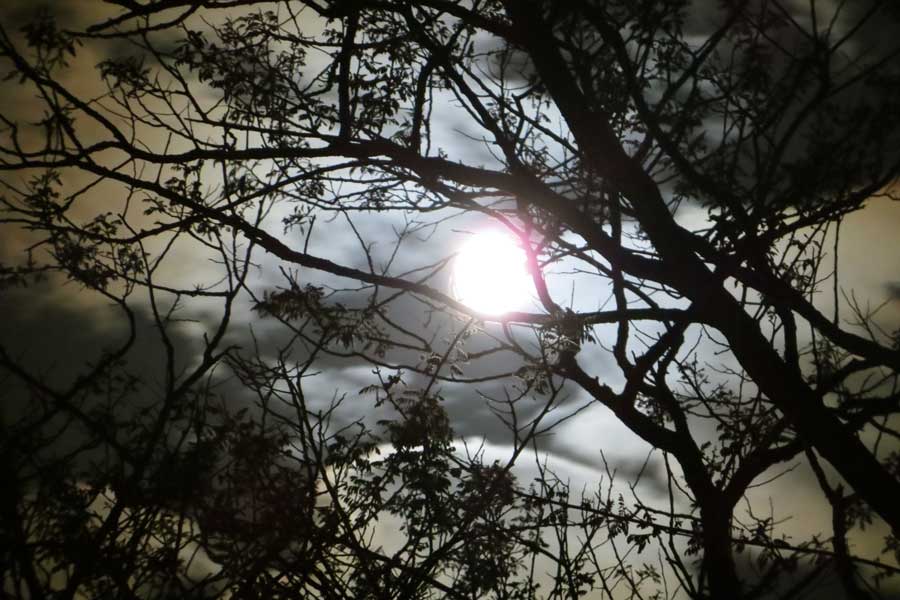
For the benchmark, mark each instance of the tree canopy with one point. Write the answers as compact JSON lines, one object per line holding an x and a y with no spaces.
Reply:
{"x":281,"y":394}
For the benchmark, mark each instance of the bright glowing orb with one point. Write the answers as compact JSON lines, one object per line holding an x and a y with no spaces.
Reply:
{"x":490,"y":274}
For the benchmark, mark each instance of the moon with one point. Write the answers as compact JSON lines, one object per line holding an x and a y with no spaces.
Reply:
{"x":490,"y":274}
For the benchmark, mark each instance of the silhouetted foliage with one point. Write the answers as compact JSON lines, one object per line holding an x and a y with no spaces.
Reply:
{"x":687,"y":165}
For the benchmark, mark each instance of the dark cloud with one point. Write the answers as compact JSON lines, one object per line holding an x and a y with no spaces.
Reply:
{"x":893,"y":290}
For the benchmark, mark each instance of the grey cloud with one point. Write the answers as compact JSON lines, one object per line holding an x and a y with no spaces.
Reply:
{"x":893,"y":290}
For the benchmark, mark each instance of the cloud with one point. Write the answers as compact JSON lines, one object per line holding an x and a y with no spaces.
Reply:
{"x":893,"y":290}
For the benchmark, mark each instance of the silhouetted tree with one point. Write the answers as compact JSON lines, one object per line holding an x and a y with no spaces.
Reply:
{"x":689,"y":164}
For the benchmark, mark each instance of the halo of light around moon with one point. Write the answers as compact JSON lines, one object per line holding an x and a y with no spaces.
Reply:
{"x":490,"y":274}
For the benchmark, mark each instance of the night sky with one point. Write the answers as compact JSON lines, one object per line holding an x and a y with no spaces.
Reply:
{"x":56,"y":327}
